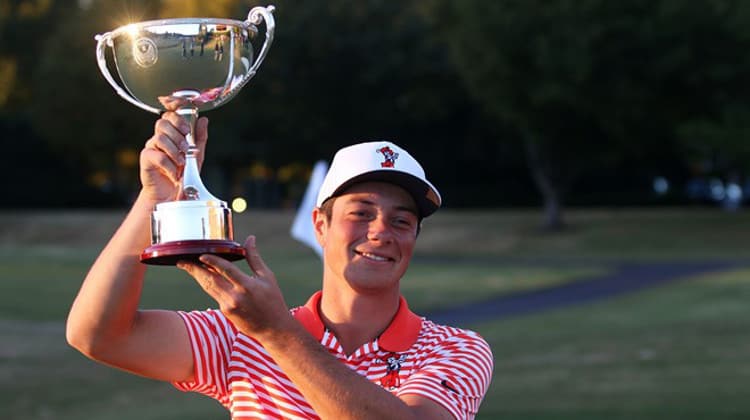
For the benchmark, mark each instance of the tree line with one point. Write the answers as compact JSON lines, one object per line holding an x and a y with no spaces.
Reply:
{"x":507,"y":102}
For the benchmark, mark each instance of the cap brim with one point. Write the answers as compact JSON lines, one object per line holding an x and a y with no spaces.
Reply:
{"x":425,"y":195}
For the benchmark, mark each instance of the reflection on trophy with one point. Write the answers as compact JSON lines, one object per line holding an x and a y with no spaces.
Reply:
{"x":187,"y":65}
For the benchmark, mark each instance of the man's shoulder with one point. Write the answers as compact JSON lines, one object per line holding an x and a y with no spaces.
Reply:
{"x":430,"y":326}
{"x":442,"y":333}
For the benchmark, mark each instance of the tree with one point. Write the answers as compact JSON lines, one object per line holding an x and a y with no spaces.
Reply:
{"x":74,"y":109}
{"x":585,"y":84}
{"x":720,"y":80}
{"x":36,"y":175}
{"x":20,"y":24}
{"x":337,"y":72}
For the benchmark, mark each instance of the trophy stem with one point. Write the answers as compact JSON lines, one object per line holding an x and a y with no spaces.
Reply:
{"x":190,"y":115}
{"x":192,"y":186}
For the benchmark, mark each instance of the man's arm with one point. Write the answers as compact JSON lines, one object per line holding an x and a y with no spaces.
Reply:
{"x":256,"y":307}
{"x":104,"y":322}
{"x":336,"y":391}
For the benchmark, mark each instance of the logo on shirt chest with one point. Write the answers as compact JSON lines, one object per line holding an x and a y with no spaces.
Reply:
{"x":393,"y":361}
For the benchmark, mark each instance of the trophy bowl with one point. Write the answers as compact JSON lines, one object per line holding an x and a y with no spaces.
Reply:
{"x":188,"y":66}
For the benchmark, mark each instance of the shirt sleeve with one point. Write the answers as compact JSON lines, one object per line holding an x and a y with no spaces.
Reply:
{"x":211,"y":337}
{"x":456,"y":374}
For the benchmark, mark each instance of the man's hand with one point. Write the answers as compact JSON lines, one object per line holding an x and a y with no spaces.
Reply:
{"x":254,"y":304}
{"x":163,"y":156}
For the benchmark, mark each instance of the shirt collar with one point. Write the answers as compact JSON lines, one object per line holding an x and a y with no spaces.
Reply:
{"x":397,"y":337}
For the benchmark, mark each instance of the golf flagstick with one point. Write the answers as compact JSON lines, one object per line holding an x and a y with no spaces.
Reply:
{"x":302,"y":227}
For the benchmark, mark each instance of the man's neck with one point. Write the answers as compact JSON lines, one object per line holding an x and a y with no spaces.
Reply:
{"x":357,"y":319}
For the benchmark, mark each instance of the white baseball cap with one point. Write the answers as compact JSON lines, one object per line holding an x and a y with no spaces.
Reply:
{"x":379,"y":161}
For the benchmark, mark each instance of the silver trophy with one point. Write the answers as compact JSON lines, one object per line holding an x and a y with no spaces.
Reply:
{"x":188,"y":66}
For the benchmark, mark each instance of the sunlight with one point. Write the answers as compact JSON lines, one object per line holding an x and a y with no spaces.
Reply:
{"x":239,"y":205}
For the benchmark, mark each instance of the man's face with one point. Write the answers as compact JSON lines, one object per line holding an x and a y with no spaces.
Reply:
{"x":370,"y":238}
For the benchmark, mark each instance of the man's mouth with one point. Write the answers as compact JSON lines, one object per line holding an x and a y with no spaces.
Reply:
{"x":374,"y":257}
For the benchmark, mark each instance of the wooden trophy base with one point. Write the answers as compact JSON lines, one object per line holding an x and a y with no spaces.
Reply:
{"x":170,"y":253}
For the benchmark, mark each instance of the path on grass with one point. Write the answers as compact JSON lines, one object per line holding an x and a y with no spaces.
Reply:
{"x":627,"y":277}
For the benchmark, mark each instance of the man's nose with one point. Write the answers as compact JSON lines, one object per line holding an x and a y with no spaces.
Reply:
{"x":379,"y":229}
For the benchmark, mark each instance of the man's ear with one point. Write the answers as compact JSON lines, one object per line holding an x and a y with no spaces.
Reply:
{"x":320,"y":225}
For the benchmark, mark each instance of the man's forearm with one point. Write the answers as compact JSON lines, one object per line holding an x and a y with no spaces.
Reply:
{"x":332,"y":389}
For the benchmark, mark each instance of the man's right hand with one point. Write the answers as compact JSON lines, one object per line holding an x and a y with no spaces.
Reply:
{"x":163,"y":157}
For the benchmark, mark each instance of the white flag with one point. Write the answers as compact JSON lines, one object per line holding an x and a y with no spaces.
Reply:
{"x":302,"y":227}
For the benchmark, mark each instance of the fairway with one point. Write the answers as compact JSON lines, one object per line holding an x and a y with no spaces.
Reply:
{"x":677,"y":351}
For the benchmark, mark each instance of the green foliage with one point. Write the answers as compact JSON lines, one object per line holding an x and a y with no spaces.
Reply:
{"x":78,"y":112}
{"x":583,"y":87}
{"x":336,"y":73}
{"x":340,"y":72}
{"x":593,"y":84}
{"x":561,"y":71}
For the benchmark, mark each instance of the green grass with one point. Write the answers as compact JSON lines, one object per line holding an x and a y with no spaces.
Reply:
{"x":599,"y":234}
{"x":674,"y":352}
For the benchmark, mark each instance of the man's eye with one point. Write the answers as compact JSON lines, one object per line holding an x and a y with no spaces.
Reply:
{"x":404,"y":222}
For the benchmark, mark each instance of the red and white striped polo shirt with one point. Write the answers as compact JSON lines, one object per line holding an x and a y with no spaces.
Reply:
{"x":449,"y":365}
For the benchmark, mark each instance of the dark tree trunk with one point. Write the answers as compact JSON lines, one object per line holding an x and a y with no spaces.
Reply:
{"x":549,"y":186}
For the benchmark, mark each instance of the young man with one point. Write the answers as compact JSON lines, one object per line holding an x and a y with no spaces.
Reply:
{"x":354,"y":351}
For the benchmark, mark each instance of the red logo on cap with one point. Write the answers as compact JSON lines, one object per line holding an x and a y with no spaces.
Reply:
{"x":390,"y":157}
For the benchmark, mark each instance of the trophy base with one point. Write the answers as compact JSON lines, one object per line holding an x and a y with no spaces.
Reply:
{"x":169,"y":253}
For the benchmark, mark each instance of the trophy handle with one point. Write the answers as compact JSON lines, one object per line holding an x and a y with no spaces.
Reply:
{"x":104,"y":41}
{"x":255,"y":17}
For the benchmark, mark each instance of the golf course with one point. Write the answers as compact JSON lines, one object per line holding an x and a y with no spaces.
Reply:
{"x":667,"y":339}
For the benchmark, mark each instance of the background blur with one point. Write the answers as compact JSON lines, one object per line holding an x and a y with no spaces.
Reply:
{"x":507,"y":103}
{"x":577,"y":144}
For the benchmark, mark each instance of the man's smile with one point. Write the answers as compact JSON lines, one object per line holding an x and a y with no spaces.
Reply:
{"x":374,"y":257}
